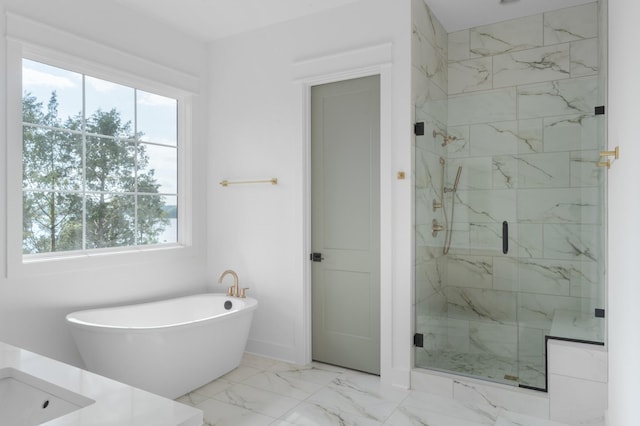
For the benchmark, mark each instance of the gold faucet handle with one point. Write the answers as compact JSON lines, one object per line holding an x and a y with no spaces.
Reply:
{"x":230,"y":291}
{"x":243,"y":293}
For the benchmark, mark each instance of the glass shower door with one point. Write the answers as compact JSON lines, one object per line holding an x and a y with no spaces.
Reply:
{"x":508,"y":168}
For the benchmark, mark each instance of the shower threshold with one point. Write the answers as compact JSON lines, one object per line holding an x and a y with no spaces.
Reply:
{"x":528,"y":373}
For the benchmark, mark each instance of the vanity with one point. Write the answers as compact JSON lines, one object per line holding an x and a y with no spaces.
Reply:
{"x":35,"y":389}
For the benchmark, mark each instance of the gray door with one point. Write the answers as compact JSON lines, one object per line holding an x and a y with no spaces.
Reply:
{"x":345,"y":223}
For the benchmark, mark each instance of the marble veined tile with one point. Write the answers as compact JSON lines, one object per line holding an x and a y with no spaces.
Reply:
{"x":530,"y":342}
{"x":507,"y":418}
{"x":506,"y":36}
{"x":486,"y":206}
{"x":562,"y":205}
{"x":573,"y":242}
{"x":490,"y":139}
{"x":475,"y":174}
{"x":458,"y":45}
{"x":428,"y":174}
{"x":541,"y":276}
{"x":561,"y":97}
{"x":435,"y":332}
{"x":488,"y":237}
{"x":311,"y":414}
{"x":546,"y":170}
{"x":530,"y":240}
{"x":428,"y":409}
{"x":425,"y":90}
{"x":429,"y":61}
{"x":257,"y":400}
{"x":223,"y":414}
{"x":483,"y":107}
{"x":482,"y":304}
{"x":504,"y":172}
{"x":431,"y":108}
{"x":470,"y":271}
{"x":530,"y":136}
{"x":572,"y":23}
{"x":470,"y":75}
{"x":501,"y":399}
{"x":321,"y":374}
{"x":572,"y":132}
{"x":537,"y":310}
{"x":585,"y":170}
{"x":532,"y":66}
{"x":211,"y":389}
{"x":492,"y":338}
{"x":460,"y":146}
{"x":428,"y":25}
{"x":587,"y":280}
{"x":430,"y":295}
{"x":282,"y":384}
{"x":344,"y":397}
{"x":508,"y":137}
{"x":584,"y":57}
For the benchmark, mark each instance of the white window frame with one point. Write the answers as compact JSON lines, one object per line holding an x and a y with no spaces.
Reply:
{"x":44,"y":263}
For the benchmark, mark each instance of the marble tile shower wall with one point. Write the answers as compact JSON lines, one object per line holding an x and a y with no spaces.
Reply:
{"x":429,"y":86}
{"x":519,"y":96}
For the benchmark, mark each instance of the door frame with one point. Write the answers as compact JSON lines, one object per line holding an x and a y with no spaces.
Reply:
{"x":375,"y":60}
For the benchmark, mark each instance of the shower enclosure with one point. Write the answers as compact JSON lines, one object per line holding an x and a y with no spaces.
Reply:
{"x":509,"y":190}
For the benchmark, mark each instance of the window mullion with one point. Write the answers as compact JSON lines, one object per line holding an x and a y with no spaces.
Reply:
{"x":84,"y":164}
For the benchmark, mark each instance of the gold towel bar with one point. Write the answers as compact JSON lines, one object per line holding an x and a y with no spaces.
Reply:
{"x":272,"y":181}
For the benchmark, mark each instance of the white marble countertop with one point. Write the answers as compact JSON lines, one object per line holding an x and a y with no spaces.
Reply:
{"x":115,"y":402}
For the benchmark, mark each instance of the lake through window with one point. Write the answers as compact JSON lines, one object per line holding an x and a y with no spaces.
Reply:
{"x":99,"y":163}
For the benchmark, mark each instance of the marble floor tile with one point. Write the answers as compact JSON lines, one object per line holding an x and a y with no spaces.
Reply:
{"x":263,"y":392}
{"x":312,"y":414}
{"x":222,"y":414}
{"x":257,"y":400}
{"x":283,"y":384}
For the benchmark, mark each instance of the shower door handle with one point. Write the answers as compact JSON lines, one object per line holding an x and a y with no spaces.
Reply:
{"x":505,"y":237}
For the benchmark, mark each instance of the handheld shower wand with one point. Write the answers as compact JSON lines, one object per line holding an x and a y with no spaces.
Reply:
{"x":449,"y":230}
{"x":455,"y":184}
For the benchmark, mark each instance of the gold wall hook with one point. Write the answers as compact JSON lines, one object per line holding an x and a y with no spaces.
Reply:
{"x":615,"y":153}
{"x":606,"y":164}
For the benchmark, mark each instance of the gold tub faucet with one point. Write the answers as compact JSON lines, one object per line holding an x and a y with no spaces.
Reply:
{"x":233,"y":290}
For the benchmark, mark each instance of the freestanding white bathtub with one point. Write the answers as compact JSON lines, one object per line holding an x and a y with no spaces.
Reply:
{"x":169,"y":347}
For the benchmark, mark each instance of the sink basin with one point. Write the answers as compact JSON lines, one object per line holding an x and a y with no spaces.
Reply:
{"x":26,"y":400}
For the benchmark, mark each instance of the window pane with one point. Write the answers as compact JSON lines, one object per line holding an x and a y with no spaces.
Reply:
{"x":52,"y":222}
{"x":51,"y":159}
{"x":101,"y":177}
{"x":157,"y":169}
{"x":157,"y":118}
{"x":110,"y":108}
{"x":110,"y":165}
{"x":50,"y":95}
{"x":110,"y":220}
{"x":157,"y":219}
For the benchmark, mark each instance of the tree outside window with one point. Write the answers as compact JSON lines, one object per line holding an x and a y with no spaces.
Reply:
{"x":99,"y":163}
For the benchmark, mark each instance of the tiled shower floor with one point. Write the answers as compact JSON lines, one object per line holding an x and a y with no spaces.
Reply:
{"x":267,"y":392}
{"x":499,"y":369}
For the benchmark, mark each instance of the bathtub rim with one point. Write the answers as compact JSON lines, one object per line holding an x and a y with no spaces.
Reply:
{"x":250,"y":304}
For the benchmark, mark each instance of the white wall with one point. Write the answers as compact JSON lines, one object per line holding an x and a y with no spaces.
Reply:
{"x":33,"y":305}
{"x":257,"y":125}
{"x":624,"y":211}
